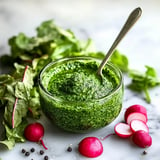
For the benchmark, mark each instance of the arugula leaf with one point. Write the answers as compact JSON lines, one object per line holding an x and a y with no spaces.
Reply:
{"x":141,"y":82}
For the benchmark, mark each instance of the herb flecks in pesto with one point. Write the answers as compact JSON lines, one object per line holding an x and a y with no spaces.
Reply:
{"x":77,"y":81}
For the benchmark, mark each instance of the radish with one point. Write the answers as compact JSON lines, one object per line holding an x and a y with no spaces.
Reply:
{"x":90,"y":147}
{"x":34,"y":132}
{"x":123,"y":130}
{"x":137,"y":125}
{"x":142,"y":139}
{"x":135,"y":108}
{"x":136,"y":115}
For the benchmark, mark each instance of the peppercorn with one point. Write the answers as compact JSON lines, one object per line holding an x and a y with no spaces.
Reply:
{"x":32,"y":150}
{"x":45,"y":157}
{"x":41,"y":152}
{"x":23,"y":151}
{"x":144,"y":152}
{"x":27,"y":154}
{"x":69,"y":149}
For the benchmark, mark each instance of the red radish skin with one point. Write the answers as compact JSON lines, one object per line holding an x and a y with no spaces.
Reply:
{"x":123,"y":130}
{"x":136,"y":115}
{"x":34,"y":132}
{"x":142,"y":139}
{"x":90,"y":147}
{"x":137,"y":125}
{"x":135,"y":108}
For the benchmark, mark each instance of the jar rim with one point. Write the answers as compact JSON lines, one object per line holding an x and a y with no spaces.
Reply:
{"x":111,"y":65}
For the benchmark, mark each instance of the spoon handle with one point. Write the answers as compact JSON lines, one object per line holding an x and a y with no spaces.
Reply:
{"x":133,"y":17}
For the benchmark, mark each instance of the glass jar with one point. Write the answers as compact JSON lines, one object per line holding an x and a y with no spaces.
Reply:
{"x":75,"y":108}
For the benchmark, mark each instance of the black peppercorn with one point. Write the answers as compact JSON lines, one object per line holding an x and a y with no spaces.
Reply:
{"x":41,"y":152}
{"x":32,"y":150}
{"x":45,"y":157}
{"x":144,"y":152}
{"x":69,"y":149}
{"x":27,"y":154}
{"x":23,"y":151}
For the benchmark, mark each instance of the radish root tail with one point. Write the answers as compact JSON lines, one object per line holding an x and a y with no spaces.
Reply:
{"x":41,"y":141}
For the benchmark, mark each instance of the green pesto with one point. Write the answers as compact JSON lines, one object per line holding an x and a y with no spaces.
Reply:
{"x":80,"y":101}
{"x":80,"y":82}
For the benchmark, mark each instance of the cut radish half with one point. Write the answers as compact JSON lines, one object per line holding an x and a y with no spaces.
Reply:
{"x":135,"y":108}
{"x":136,"y":115}
{"x":137,"y":125}
{"x":123,"y":130}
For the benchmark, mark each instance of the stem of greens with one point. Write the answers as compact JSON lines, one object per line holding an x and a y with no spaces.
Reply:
{"x":148,"y":99}
{"x":16,"y":100}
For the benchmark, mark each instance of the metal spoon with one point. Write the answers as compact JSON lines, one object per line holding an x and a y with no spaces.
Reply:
{"x":133,"y":17}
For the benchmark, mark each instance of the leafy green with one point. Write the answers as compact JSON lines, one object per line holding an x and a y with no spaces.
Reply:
{"x":18,"y":95}
{"x":141,"y":82}
{"x":120,"y":60}
{"x":14,"y":135}
{"x":8,"y":143}
{"x":50,"y":43}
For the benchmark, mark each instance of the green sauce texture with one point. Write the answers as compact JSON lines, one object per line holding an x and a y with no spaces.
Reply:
{"x":79,"y":82}
{"x":77,"y":100}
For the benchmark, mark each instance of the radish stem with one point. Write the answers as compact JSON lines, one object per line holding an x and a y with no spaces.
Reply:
{"x":103,"y":138}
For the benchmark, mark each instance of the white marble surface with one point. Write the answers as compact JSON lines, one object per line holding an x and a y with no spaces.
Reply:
{"x":100,"y":20}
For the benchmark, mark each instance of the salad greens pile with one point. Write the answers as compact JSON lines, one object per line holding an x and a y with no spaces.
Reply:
{"x":19,"y":96}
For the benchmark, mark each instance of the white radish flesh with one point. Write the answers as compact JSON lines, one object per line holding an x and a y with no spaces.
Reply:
{"x":123,"y":130}
{"x":136,"y":115}
{"x":135,"y":108}
{"x":137,"y":125}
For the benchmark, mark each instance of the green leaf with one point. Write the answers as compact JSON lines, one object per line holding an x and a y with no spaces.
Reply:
{"x":141,"y":82}
{"x":6,"y":79}
{"x":20,"y":112}
{"x":24,"y":71}
{"x":22,"y":97}
{"x":16,"y":94}
{"x":21,"y":91}
{"x":120,"y":61}
{"x":8,"y":143}
{"x":34,"y":103}
{"x":14,"y":135}
{"x":150,"y":71}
